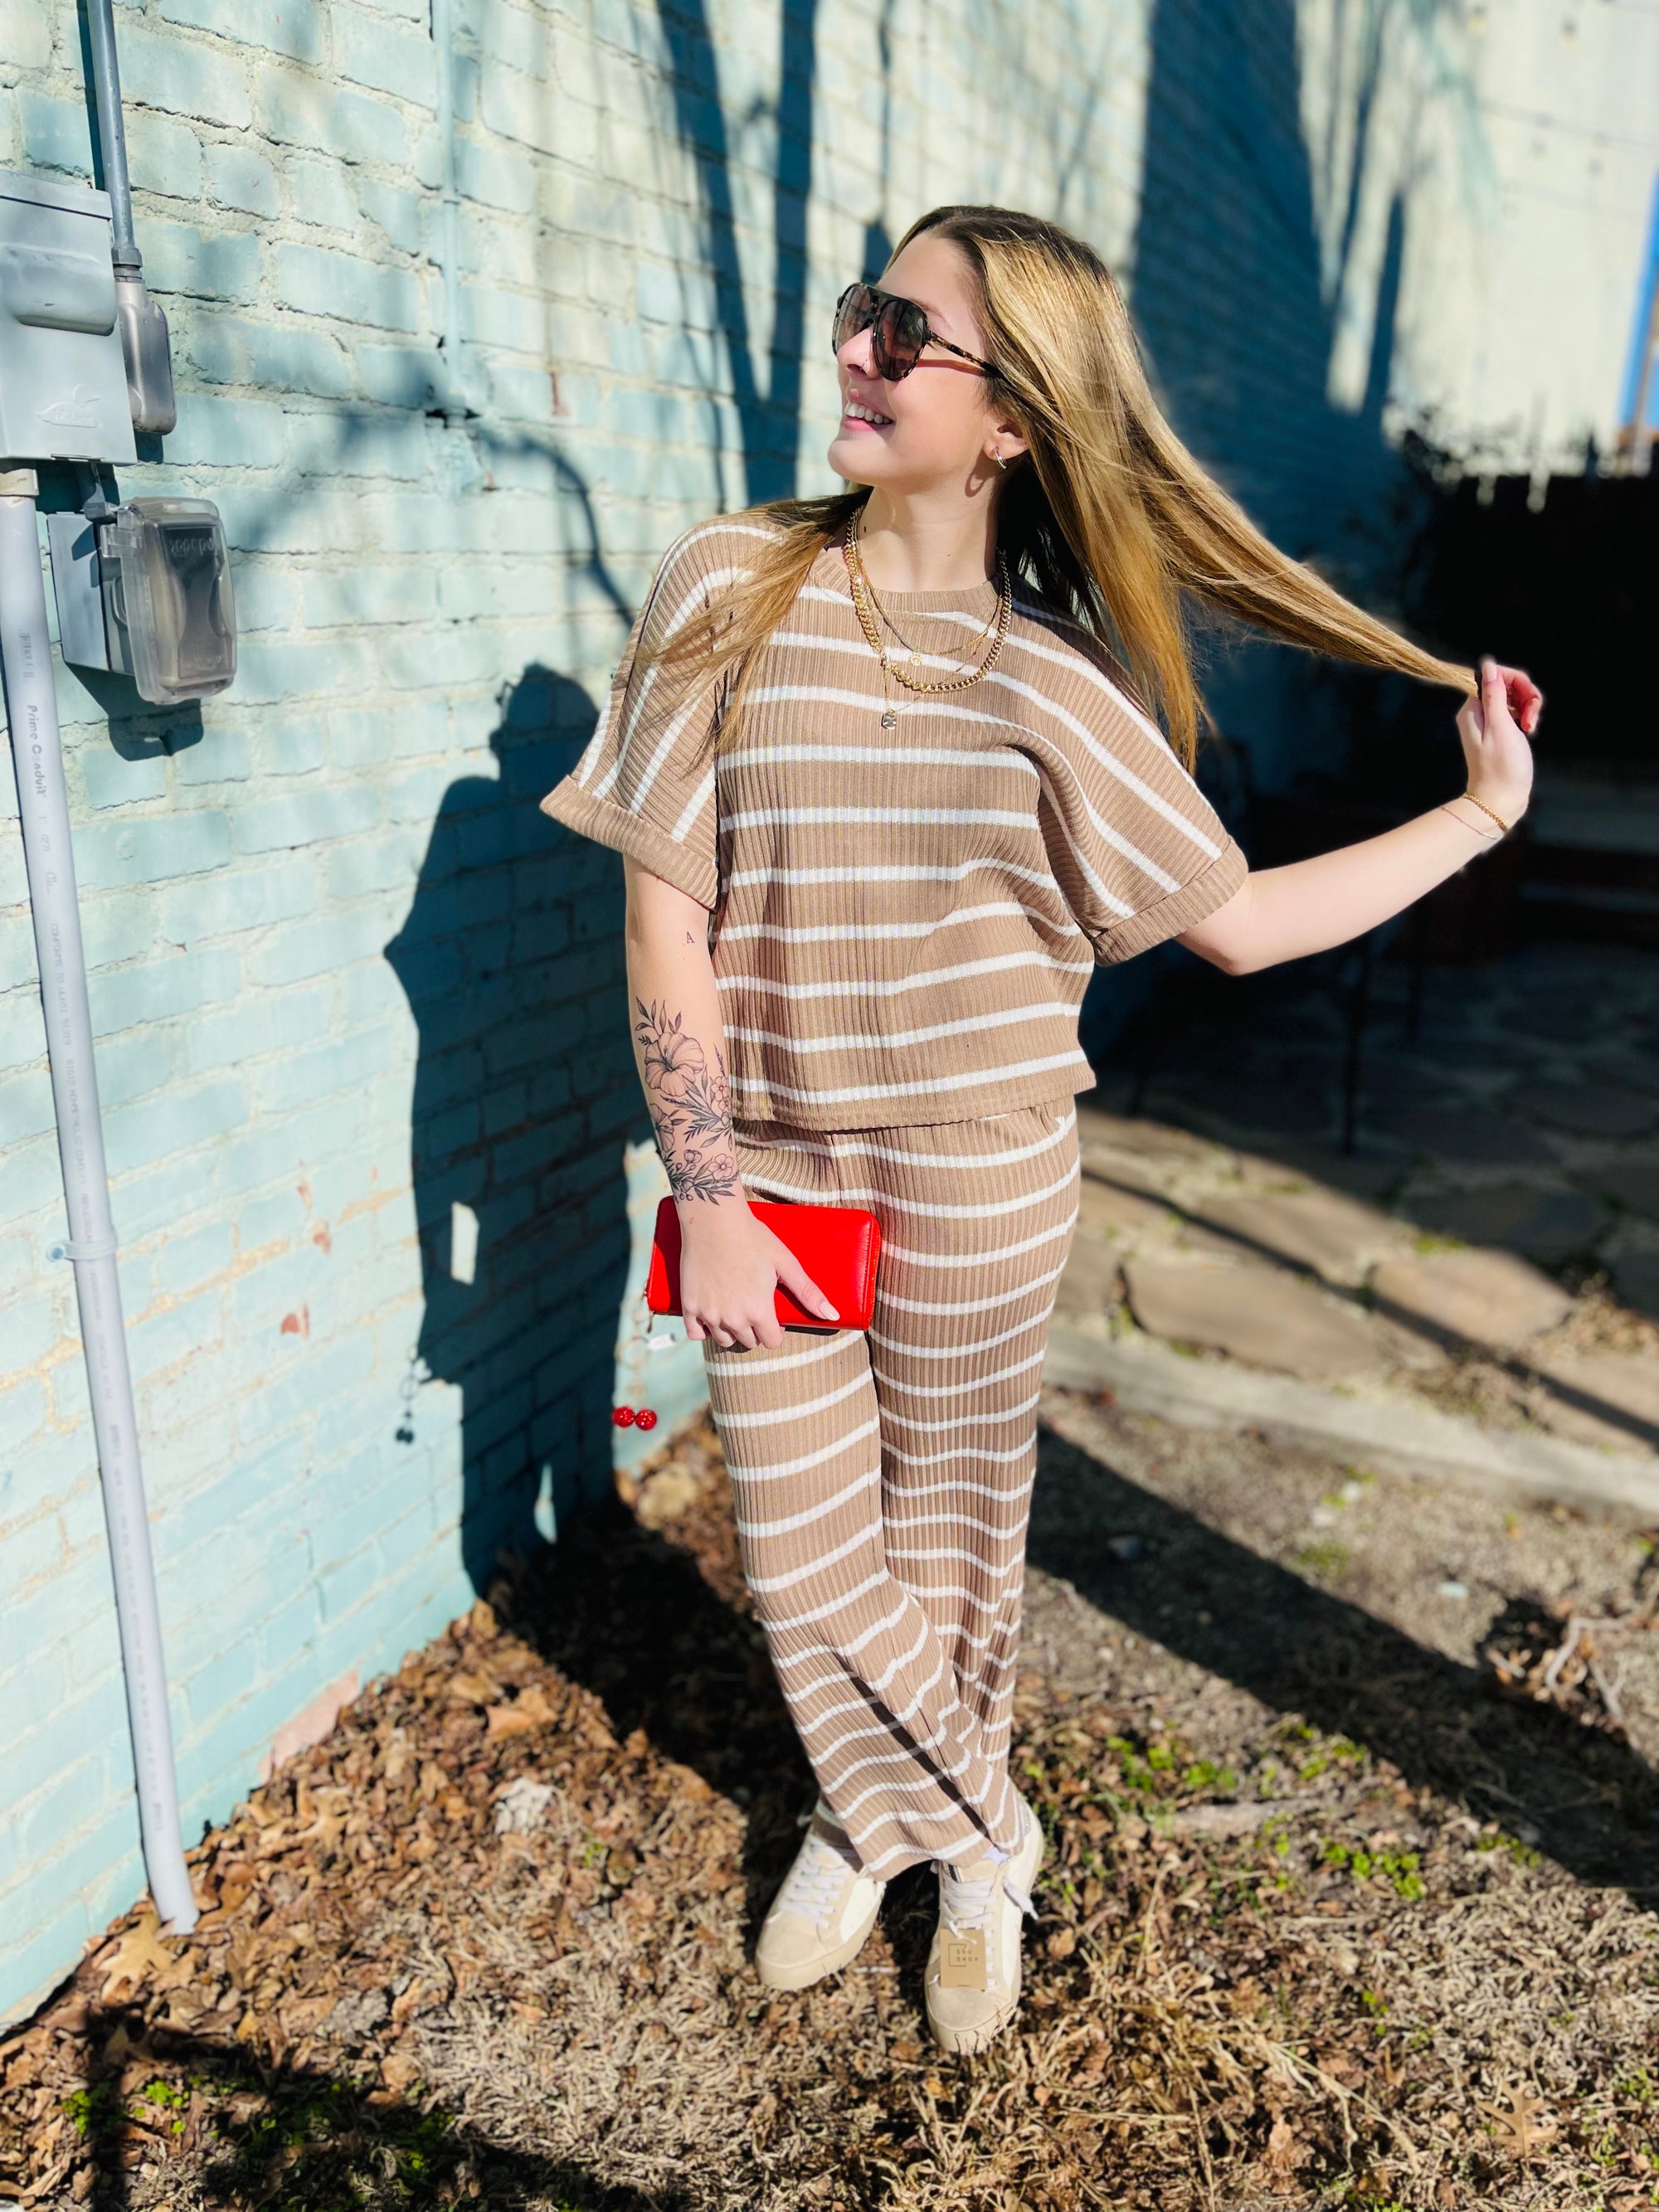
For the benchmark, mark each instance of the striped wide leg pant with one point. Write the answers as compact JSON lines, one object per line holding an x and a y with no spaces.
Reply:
{"x":883,"y":1481}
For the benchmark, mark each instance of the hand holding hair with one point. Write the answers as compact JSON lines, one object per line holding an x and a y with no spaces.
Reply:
{"x":1494,"y":726}
{"x":1308,"y":906}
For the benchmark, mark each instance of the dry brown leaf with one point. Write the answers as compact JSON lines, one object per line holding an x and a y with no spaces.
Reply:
{"x":139,"y":1956}
{"x":530,"y":1709}
{"x":1286,"y":2150}
{"x":1520,"y":2129}
{"x":234,"y":1885}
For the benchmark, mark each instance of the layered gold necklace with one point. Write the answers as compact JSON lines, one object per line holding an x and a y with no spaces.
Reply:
{"x":867,"y":606}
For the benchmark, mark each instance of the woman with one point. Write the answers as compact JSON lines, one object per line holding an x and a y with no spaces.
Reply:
{"x":891,"y":772}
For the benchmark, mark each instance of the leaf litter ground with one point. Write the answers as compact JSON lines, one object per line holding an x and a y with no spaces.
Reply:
{"x":1342,"y":1907}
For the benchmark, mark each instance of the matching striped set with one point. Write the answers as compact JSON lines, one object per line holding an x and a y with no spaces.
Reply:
{"x":903,"y":924}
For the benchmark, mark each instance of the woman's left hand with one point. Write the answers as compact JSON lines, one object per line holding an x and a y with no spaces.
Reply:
{"x":1495,"y":728}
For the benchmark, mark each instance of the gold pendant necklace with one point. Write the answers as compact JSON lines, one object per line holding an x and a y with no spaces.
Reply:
{"x":862,"y":596}
{"x":889,"y":712}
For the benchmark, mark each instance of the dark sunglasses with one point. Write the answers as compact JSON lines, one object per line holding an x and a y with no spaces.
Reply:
{"x":898,"y":331}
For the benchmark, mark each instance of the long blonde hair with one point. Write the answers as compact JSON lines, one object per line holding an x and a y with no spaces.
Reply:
{"x":1110,"y":521}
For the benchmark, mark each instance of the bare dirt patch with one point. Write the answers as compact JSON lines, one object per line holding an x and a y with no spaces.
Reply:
{"x":1326,"y":1919}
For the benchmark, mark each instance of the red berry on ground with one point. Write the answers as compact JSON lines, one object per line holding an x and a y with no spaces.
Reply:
{"x":622,"y":1416}
{"x":645,"y":1418}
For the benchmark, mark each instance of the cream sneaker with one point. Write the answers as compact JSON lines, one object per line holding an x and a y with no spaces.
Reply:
{"x":973,"y":1968}
{"x":818,"y":1920}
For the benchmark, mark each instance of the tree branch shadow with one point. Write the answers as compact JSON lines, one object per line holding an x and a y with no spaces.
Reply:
{"x":769,"y":415}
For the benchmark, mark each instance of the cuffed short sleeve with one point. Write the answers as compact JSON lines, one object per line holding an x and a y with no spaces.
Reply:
{"x":645,"y":784}
{"x":1139,"y":852}
{"x":1177,"y":911}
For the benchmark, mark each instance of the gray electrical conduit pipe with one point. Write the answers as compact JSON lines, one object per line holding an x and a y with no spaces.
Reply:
{"x":111,"y":133}
{"x":31,"y":714}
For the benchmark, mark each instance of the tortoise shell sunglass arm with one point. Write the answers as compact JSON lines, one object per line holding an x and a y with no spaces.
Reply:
{"x":899,"y":330}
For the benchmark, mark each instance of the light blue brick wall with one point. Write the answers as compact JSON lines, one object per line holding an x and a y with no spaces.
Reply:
{"x":344,"y":975}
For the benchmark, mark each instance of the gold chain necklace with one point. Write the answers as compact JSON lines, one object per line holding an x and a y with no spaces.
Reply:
{"x":915,"y":651}
{"x":862,"y":595}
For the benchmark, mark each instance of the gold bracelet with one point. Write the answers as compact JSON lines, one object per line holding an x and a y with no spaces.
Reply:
{"x":1504,"y":826}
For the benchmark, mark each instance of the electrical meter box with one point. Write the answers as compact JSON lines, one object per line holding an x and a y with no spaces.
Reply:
{"x":144,"y":590}
{"x":63,"y":374}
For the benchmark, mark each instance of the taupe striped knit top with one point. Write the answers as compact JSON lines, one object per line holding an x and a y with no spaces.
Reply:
{"x":902,"y":921}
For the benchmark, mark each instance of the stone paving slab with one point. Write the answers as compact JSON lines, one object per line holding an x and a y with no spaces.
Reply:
{"x":1256,"y":1103}
{"x":1337,"y":1237}
{"x":1593,"y":1109}
{"x":1633,"y":1183}
{"x":1628,"y":1065}
{"x":1548,"y":1224}
{"x":1113,"y":1209}
{"x":1595,"y":1389}
{"x":1254,"y":1314}
{"x":1482,"y":1297}
{"x":1122,"y":1133}
{"x":1636,"y":1275}
{"x":1468,"y":1135}
{"x":1566,"y":1022}
{"x":1388,"y":1434}
{"x":1365,"y":1173}
{"x":1092,"y":1281}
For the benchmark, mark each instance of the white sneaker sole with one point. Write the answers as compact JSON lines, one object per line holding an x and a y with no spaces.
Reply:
{"x":964,"y":2042}
{"x":801,"y":1973}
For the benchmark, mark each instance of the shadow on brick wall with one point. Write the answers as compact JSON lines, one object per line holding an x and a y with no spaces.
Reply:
{"x":769,"y":408}
{"x":1240,"y":316}
{"x":525,"y":1095}
{"x":1239,"y":321}
{"x":1228,"y":291}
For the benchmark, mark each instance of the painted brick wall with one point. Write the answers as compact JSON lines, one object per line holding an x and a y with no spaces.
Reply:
{"x":346,"y":980}
{"x":345,"y":977}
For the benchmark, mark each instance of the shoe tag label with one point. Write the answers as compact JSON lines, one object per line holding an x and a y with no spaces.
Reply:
{"x":961,"y":1959}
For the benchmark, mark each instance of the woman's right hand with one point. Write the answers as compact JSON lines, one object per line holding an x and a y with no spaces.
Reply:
{"x":731,"y":1265}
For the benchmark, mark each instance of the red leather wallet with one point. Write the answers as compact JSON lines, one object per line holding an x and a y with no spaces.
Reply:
{"x":837,"y":1245}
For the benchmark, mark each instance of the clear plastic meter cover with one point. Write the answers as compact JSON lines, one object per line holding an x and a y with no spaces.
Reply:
{"x":174,"y":595}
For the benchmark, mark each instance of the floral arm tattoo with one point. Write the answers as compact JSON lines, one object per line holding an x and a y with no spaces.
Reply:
{"x":691,"y":1103}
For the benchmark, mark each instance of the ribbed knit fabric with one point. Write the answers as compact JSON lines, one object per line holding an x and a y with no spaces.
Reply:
{"x":883,"y":1478}
{"x":903,"y":921}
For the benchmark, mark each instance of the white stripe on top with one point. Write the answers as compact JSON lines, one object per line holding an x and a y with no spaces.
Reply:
{"x":925,"y":980}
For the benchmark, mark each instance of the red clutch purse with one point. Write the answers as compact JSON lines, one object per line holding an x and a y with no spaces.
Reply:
{"x":837,"y":1245}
